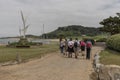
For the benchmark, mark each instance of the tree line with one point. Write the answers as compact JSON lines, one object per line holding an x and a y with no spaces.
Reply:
{"x":73,"y":30}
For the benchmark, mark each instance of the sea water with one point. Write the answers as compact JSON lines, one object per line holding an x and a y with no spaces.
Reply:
{"x":10,"y":40}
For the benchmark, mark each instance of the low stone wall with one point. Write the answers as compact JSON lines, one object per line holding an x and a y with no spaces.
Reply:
{"x":104,"y":72}
{"x":107,"y":73}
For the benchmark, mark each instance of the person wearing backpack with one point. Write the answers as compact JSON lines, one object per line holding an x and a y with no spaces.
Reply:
{"x":82,"y":46}
{"x":88,"y":49}
{"x":70,"y":48}
{"x":76,"y":47}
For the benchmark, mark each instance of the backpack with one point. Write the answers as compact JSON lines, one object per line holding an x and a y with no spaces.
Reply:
{"x":75,"y":44}
{"x":82,"y":43}
{"x":88,"y":44}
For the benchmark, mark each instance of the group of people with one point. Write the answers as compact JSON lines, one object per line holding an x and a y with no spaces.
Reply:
{"x":68,"y":47}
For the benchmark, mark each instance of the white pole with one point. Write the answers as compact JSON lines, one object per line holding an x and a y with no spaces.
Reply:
{"x":43,"y":32}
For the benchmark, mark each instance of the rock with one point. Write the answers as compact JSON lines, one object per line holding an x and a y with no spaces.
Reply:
{"x":114,"y":72}
{"x":110,"y":72}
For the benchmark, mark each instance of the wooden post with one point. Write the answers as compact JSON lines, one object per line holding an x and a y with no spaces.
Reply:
{"x":18,"y":58}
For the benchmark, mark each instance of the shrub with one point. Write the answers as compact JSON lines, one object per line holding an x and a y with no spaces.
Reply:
{"x":24,"y":43}
{"x":15,"y":44}
{"x":101,"y":40}
{"x":114,"y":42}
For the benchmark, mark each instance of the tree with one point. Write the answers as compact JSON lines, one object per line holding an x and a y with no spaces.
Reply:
{"x":111,"y":24}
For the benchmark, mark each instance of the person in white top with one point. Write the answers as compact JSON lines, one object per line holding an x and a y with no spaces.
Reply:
{"x":70,"y":48}
{"x":62,"y":44}
{"x":66,"y":47}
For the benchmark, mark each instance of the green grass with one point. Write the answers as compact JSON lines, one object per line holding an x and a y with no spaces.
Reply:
{"x":9,"y":54}
{"x":110,"y":57}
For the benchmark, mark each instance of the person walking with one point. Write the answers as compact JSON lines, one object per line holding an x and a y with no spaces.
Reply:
{"x":76,"y":47}
{"x":82,"y":46}
{"x":62,"y":44}
{"x":66,"y":47}
{"x":70,"y":48}
{"x":88,"y":49}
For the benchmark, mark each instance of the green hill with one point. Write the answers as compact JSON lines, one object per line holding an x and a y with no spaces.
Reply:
{"x":73,"y":30}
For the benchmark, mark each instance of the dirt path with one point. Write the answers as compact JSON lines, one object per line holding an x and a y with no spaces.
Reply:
{"x":51,"y":67}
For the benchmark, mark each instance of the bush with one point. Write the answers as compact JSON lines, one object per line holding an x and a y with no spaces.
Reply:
{"x":101,"y":40}
{"x":17,"y":44}
{"x":23,"y":43}
{"x":114,"y":42}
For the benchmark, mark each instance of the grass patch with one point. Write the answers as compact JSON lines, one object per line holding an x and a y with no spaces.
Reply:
{"x":9,"y":54}
{"x":110,"y":57}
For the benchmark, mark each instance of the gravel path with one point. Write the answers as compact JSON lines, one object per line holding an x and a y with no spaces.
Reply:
{"x":51,"y":67}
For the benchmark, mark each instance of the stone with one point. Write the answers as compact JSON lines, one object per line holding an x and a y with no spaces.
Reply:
{"x":108,"y":72}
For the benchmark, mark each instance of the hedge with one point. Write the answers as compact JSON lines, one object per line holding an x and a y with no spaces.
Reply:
{"x":101,"y":40}
{"x":114,"y":42}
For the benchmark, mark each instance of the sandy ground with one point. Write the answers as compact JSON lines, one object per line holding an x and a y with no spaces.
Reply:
{"x":51,"y":67}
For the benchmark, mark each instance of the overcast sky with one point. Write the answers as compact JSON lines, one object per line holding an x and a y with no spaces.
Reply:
{"x":53,"y":14}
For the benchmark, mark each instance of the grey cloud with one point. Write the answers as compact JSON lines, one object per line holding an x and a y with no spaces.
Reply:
{"x":53,"y":13}
{"x":110,"y":4}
